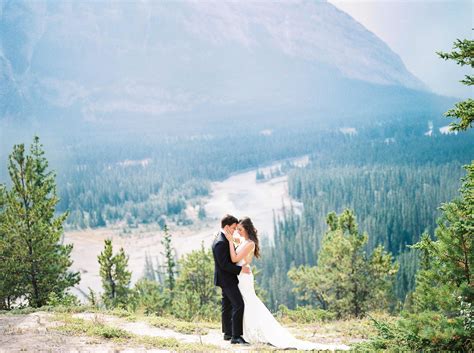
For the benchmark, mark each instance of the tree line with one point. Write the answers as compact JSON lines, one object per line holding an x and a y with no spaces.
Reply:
{"x":145,"y":179}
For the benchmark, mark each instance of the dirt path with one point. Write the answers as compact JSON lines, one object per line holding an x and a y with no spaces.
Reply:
{"x":39,"y":332}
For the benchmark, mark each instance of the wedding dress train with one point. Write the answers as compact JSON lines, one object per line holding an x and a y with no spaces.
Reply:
{"x":260,"y":326}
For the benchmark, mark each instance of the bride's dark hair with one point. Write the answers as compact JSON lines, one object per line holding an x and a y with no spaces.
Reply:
{"x":246,"y":222}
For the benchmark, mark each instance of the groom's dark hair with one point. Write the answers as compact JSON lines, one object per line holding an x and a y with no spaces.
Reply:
{"x":228,"y":220}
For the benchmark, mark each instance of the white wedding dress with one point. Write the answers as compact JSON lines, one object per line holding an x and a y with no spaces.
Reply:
{"x":259,"y":324}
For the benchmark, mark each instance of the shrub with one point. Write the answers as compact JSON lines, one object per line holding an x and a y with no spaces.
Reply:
{"x":304,"y":314}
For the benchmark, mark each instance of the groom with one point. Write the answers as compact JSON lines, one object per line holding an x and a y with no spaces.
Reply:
{"x":225,"y":276}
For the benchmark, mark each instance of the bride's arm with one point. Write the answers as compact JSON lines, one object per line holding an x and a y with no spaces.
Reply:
{"x":233,"y":254}
{"x":242,"y":254}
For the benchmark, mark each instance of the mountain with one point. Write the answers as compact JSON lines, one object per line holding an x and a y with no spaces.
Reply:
{"x":124,"y":61}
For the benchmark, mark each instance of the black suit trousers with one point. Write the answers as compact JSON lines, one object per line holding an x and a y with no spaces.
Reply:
{"x":232,"y":311}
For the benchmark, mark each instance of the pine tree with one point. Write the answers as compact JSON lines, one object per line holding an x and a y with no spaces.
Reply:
{"x":149,"y":269}
{"x":346,"y":280}
{"x":405,"y":282}
{"x":170,"y":262}
{"x":441,"y":316}
{"x":448,"y":261}
{"x":150,"y":297}
{"x":197,"y":275}
{"x":30,"y":231}
{"x":10,"y":276}
{"x":100,"y":221}
{"x":115,"y":276}
{"x":196,"y":294}
{"x":462,"y":54}
{"x":202,"y":212}
{"x":92,"y":297}
{"x":395,"y":205}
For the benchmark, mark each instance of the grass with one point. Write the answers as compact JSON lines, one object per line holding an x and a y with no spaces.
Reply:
{"x":347,"y":331}
{"x":167,"y":322}
{"x":197,"y":328}
{"x":97,"y":329}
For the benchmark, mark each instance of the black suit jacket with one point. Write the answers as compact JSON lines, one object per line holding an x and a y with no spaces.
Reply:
{"x":225,"y":272}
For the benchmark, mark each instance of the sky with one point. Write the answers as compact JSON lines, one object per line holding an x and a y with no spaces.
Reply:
{"x":415,"y":30}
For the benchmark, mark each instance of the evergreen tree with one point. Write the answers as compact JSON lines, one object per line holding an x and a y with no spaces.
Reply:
{"x":99,"y":220}
{"x":115,"y":276}
{"x":149,"y":269}
{"x":92,"y":297}
{"x":196,"y":294}
{"x":159,"y":274}
{"x":170,"y":262}
{"x":10,"y":277}
{"x":442,"y":313}
{"x":405,"y":282}
{"x":37,"y":265}
{"x":462,"y":54}
{"x":202,"y":212}
{"x":346,"y":280}
{"x":395,"y":204}
{"x":447,"y":266}
{"x":151,"y":297}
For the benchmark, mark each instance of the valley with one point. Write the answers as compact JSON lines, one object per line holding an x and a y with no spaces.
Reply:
{"x":240,"y":194}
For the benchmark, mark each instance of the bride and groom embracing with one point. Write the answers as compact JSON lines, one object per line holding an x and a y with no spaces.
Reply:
{"x":245,"y":319}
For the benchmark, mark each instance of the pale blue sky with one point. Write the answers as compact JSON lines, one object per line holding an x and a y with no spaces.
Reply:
{"x":416,"y":29}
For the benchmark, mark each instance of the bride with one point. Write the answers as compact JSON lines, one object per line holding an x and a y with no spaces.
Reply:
{"x":259,"y":325}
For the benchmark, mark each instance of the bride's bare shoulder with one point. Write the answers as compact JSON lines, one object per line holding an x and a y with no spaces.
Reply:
{"x":251,"y":243}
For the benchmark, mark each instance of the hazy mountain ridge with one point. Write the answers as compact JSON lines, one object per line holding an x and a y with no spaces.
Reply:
{"x":304,"y":30}
{"x":95,"y":60}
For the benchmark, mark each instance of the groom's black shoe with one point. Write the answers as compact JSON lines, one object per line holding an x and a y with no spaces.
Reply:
{"x":238,"y":340}
{"x":227,"y":337}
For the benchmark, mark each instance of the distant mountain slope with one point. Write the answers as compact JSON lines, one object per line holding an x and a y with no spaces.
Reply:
{"x":97,"y":61}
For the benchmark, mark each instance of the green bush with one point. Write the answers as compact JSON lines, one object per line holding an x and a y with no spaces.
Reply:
{"x":150,"y":297}
{"x":427,"y":331}
{"x":304,"y":314}
{"x":195,"y":296}
{"x":110,"y":332}
{"x":179,"y":326}
{"x":66,"y":300}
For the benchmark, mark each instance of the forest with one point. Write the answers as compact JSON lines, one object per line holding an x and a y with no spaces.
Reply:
{"x":386,"y":224}
{"x":115,"y":178}
{"x":393,"y":215}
